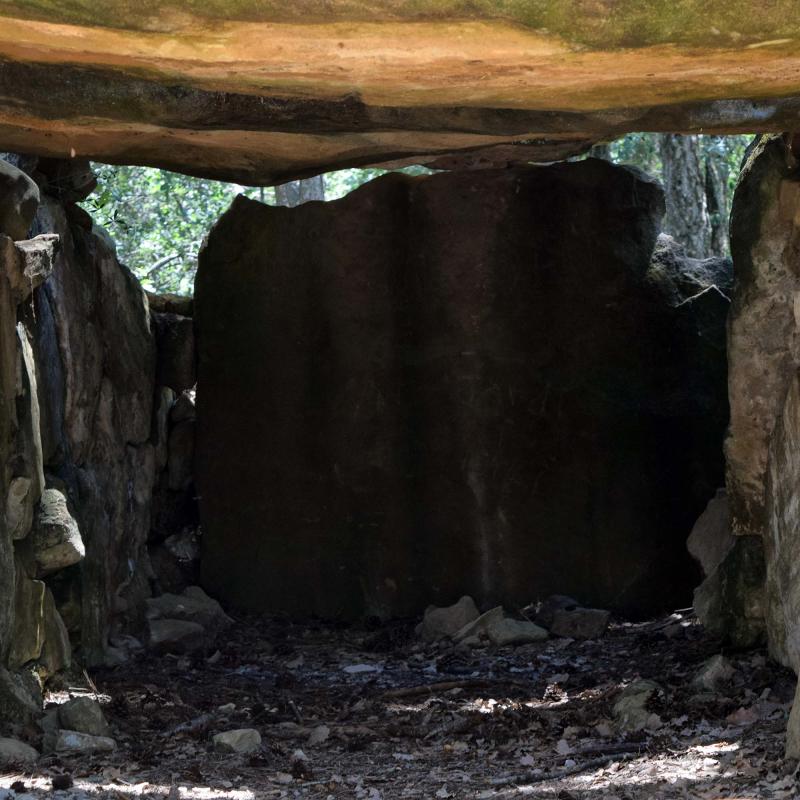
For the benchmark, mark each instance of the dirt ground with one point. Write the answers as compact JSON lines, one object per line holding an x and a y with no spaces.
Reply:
{"x":371,"y":713}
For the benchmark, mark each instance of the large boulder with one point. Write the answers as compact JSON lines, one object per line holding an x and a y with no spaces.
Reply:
{"x":763,"y":322}
{"x":19,"y":199}
{"x":465,"y":383}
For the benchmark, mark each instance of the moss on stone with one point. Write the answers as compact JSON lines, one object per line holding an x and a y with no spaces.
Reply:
{"x":598,"y":24}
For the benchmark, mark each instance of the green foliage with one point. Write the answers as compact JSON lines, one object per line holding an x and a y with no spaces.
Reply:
{"x":158,"y":219}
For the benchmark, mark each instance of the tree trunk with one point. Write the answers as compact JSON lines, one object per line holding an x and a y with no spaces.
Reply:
{"x":717,"y":208}
{"x":684,"y":185}
{"x":296,"y":192}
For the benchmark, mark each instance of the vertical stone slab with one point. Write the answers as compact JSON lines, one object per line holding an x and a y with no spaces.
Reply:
{"x":763,"y":347}
{"x":467,"y":383}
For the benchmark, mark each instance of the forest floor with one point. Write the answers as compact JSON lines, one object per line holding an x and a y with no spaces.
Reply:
{"x":371,"y":714}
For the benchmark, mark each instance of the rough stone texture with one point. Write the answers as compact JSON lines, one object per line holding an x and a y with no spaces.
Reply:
{"x":243,"y":740}
{"x":57,"y":649}
{"x":267,"y":92}
{"x":194,"y":605}
{"x":77,"y":742}
{"x":439,"y":623}
{"x":631,"y":710}
{"x":55,"y":537}
{"x":508,"y":631}
{"x":713,"y":672}
{"x":782,"y":536}
{"x":175,"y":342}
{"x":763,"y":340}
{"x":711,"y":537}
{"x":12,"y":751}
{"x":175,"y":636}
{"x":446,"y":398}
{"x":19,"y":199}
{"x":95,"y":360}
{"x":730,"y":602}
{"x":580,"y":623}
{"x":20,"y":697}
{"x":85,"y":715}
{"x":27,"y":635}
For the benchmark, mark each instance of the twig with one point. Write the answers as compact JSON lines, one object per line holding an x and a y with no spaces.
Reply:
{"x":537,"y":777}
{"x":295,"y":711}
{"x":91,"y":683}
{"x":430,"y":688}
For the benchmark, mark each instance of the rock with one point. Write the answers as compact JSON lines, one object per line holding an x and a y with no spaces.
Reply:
{"x":781,"y":540}
{"x":440,"y":623}
{"x":580,"y":623}
{"x":180,"y":466}
{"x":12,"y":751}
{"x":711,"y":537}
{"x":19,"y":507}
{"x":508,"y":631}
{"x":20,"y":697}
{"x":57,"y":541}
{"x":175,"y":636}
{"x":19,"y":199}
{"x":194,"y":605}
{"x":630,"y":710}
{"x":730,"y":602}
{"x":318,"y":735}
{"x":83,"y":714}
{"x":56,"y":651}
{"x":171,"y":304}
{"x":77,"y":742}
{"x":763,"y":323}
{"x":184,"y":408}
{"x":713,"y":672}
{"x":69,"y":179}
{"x":243,"y":740}
{"x":35,"y":264}
{"x":175,"y":342}
{"x":94,"y":352}
{"x":547,"y":610}
{"x":454,"y":516}
{"x":29,"y":621}
{"x":478,"y":628}
{"x":793,"y":728}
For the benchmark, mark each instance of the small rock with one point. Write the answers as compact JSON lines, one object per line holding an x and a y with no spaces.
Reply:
{"x":175,"y":636}
{"x":630,"y":710}
{"x":580,"y":623}
{"x":479,"y":626}
{"x":711,"y":537}
{"x":319,"y":735}
{"x":57,"y":541}
{"x":359,"y":669}
{"x":62,"y":782}
{"x":713,"y":672}
{"x":547,"y":610}
{"x":77,"y":742}
{"x":511,"y":631}
{"x":439,"y":623}
{"x":12,"y":751}
{"x":243,"y":740}
{"x":83,"y":714}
